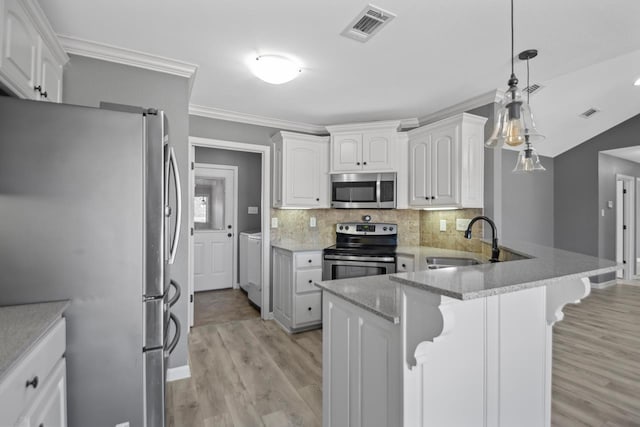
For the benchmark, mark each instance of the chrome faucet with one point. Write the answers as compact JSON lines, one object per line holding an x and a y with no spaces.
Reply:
{"x":495,"y":251}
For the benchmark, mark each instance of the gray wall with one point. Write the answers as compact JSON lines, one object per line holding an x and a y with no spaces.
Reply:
{"x":608,"y":167}
{"x":527,"y":202}
{"x":89,"y":81}
{"x":576,"y":202}
{"x":205,"y":127}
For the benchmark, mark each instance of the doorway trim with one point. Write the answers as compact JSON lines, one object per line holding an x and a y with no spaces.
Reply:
{"x":265,"y":207}
{"x":625,"y":215}
{"x":234,"y":257}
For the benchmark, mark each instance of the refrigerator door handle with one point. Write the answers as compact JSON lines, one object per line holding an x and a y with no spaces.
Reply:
{"x":176,"y":337}
{"x":174,"y":299}
{"x":176,"y":177}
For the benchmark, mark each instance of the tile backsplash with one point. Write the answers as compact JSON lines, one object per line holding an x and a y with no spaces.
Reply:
{"x":415,"y":227}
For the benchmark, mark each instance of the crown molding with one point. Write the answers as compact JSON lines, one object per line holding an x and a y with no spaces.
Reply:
{"x":475,"y":102}
{"x":36,"y":13}
{"x":234,"y":116}
{"x":119,"y":55}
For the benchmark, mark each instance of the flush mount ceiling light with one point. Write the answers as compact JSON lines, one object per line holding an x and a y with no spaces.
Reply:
{"x":514,"y":119}
{"x":275,"y":69}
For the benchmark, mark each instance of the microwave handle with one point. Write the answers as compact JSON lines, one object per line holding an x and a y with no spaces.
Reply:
{"x":378,"y":191}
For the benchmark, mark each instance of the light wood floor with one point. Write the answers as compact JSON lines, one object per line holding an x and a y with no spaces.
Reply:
{"x":596,"y":360}
{"x":251,"y":373}
{"x":222,"y":306}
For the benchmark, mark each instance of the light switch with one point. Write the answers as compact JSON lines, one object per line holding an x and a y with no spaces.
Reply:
{"x":312,"y":221}
{"x":462,"y":224}
{"x":274,"y":222}
{"x":253,"y":210}
{"x":443,"y":225}
{"x":610,"y":204}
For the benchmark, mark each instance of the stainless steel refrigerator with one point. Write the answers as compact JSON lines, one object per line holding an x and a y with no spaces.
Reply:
{"x":90,"y":212}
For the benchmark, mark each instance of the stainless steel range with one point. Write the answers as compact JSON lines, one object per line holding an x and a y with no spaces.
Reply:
{"x":361,"y":249}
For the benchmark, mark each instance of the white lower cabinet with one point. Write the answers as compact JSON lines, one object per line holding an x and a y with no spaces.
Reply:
{"x":297,"y":302}
{"x":405,"y":263}
{"x":34,"y":392}
{"x":361,"y":384}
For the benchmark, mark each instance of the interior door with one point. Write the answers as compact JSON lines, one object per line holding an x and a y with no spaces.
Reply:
{"x":214,"y":227}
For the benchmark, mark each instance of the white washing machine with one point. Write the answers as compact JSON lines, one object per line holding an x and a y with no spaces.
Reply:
{"x":251,"y":265}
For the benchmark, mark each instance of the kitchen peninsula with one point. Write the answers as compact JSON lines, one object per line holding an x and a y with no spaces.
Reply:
{"x":464,"y":346}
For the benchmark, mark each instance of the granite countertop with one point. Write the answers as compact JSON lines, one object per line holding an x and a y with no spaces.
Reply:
{"x":377,"y":294}
{"x":543,"y":267}
{"x":21,"y":326}
{"x":293,"y":246}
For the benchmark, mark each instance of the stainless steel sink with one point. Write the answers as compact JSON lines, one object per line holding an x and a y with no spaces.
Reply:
{"x":445,"y":262}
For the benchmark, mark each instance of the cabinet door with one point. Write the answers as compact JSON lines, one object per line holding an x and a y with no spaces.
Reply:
{"x":404,"y":264}
{"x":444,"y":171}
{"x":19,"y":50}
{"x":303,"y":174}
{"x":51,"y":408}
{"x":378,"y":151}
{"x":282,"y":285}
{"x":276,"y":184}
{"x":419,"y":172}
{"x":50,"y":76}
{"x":346,"y":152}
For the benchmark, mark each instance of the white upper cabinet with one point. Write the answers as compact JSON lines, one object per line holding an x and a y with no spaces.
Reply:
{"x":446,"y":163}
{"x":300,"y":171}
{"x":31,"y":59}
{"x":364,"y":147}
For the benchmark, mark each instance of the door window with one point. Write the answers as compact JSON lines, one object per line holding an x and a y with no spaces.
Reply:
{"x":208,"y":204}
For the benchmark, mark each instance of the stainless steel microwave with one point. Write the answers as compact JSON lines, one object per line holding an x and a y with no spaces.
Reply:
{"x":363,"y":190}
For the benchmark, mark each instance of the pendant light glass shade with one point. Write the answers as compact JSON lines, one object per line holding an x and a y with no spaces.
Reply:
{"x":513,"y":122}
{"x":528,"y":161}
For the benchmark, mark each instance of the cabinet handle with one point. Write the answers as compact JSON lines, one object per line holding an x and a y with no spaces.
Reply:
{"x":310,"y":261}
{"x":404,"y":265}
{"x":433,"y":197}
{"x":45,"y":94}
{"x":33,"y":383}
{"x":310,"y":281}
{"x":38,"y":88}
{"x":309,"y":308}
{"x":358,"y":163}
{"x":364,"y":163}
{"x":317,"y":199}
{"x":229,"y":235}
{"x":229,"y":227}
{"x":41,"y":425}
{"x":426,"y":198}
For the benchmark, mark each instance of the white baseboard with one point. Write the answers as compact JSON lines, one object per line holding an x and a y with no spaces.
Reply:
{"x":634,"y":282}
{"x":604,"y":285}
{"x":178,"y":373}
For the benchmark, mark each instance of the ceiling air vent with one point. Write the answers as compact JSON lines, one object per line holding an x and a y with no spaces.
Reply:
{"x":590,"y":112}
{"x":367,"y":23}
{"x":532,"y":89}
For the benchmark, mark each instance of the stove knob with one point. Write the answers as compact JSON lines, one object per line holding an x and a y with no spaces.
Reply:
{"x":341,"y":228}
{"x":347,"y":227}
{"x":384,"y":228}
{"x":390,"y":228}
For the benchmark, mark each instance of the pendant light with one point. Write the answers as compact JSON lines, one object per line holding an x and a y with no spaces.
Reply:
{"x":514,"y":118}
{"x":528,"y":160}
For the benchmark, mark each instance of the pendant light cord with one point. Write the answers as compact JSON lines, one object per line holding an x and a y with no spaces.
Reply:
{"x":512,"y":43}
{"x":528,"y":85}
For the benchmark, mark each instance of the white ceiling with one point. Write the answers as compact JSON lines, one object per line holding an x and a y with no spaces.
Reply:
{"x":434,"y":54}
{"x":629,"y":153}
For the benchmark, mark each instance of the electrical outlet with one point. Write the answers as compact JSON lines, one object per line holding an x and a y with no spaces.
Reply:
{"x":312,"y":221}
{"x":462,"y":224}
{"x":253,"y":210}
{"x":602,"y":212}
{"x":274,"y":222}
{"x":443,"y":225}
{"x":610,"y":204}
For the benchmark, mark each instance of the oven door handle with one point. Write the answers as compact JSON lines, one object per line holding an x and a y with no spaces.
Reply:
{"x":378,"y":191}
{"x":359,"y":258}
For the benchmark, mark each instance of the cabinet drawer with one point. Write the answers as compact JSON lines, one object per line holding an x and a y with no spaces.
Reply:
{"x":15,"y":396}
{"x":308,"y":259}
{"x":308,"y":308}
{"x":306,"y":278}
{"x":50,"y":408}
{"x":405,"y":263}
